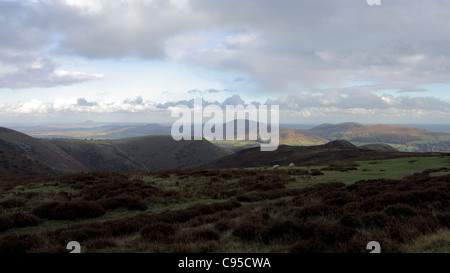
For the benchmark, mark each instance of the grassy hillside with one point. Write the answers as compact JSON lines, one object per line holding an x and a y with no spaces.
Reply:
{"x":14,"y":163}
{"x":97,"y":155}
{"x":297,"y":137}
{"x":300,"y":137}
{"x":23,"y":154}
{"x":162,"y":152}
{"x":379,"y":147}
{"x":403,"y":138}
{"x":339,"y":207}
{"x":284,"y":155}
{"x":139,"y":153}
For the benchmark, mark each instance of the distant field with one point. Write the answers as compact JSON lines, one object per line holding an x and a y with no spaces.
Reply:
{"x":303,"y":209}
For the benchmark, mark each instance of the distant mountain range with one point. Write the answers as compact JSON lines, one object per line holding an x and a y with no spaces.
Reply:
{"x":402,"y":138}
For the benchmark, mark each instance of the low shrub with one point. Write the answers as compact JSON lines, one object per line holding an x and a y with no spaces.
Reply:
{"x":203,"y":219}
{"x":69,"y":210}
{"x":308,"y":246}
{"x":80,"y":233}
{"x":24,"y":220}
{"x":22,"y":243}
{"x":375,"y":220}
{"x":12,"y":203}
{"x":202,"y":233}
{"x":332,"y":233}
{"x":313,"y":211}
{"x":223,"y":224}
{"x":99,"y":243}
{"x":18,"y":220}
{"x":401,"y":233}
{"x":400,"y":210}
{"x":248,"y":230}
{"x":197,"y":247}
{"x":352,"y":221}
{"x":124,"y":200}
{"x":157,"y":231}
{"x":122,"y":226}
{"x":6,"y":222}
{"x":287,"y":230}
{"x":444,"y":219}
{"x":316,"y":173}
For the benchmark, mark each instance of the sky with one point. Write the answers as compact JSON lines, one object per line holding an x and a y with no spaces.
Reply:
{"x":321,"y":61}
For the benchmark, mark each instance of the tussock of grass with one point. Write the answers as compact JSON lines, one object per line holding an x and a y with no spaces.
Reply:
{"x":438,"y":242}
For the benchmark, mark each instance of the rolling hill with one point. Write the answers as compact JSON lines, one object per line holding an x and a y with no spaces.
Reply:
{"x":334,"y":151}
{"x":140,"y":153}
{"x":402,"y":138}
{"x":287,"y":136}
{"x":300,"y":137}
{"x":21,"y":154}
{"x":397,"y":138}
{"x":379,"y":147}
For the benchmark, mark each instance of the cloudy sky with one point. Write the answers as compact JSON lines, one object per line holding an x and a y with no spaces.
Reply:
{"x":319,"y":60}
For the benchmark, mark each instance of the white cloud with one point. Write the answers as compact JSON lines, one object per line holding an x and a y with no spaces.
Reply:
{"x":34,"y":106}
{"x":305,"y":107}
{"x":64,"y":104}
{"x":277,"y":47}
{"x":92,"y":6}
{"x":411,"y":60}
{"x":76,"y":76}
{"x":244,"y":41}
{"x":354,"y":98}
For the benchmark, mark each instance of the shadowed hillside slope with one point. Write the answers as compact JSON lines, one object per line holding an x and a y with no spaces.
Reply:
{"x":22,"y":154}
{"x":162,"y":152}
{"x":140,"y":153}
{"x":379,"y":147}
{"x":338,"y":150}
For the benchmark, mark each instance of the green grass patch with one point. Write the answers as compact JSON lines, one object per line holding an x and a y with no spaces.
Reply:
{"x":45,"y":189}
{"x":377,"y":169}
